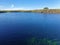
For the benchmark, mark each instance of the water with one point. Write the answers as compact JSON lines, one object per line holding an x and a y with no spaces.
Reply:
{"x":15,"y":28}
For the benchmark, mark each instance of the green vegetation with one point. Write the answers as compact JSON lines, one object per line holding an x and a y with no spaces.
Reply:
{"x":34,"y":41}
{"x":44,"y":10}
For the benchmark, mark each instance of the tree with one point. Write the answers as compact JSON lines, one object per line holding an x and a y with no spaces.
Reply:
{"x":46,"y":8}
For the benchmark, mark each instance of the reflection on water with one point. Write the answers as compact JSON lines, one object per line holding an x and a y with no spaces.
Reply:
{"x":29,"y":29}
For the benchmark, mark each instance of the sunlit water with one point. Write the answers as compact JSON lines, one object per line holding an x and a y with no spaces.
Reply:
{"x":15,"y":28}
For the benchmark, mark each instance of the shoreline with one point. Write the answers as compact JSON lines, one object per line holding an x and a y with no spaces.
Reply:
{"x":48,"y":11}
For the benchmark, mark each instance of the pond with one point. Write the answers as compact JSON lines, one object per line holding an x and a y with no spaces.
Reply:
{"x":16,"y":28}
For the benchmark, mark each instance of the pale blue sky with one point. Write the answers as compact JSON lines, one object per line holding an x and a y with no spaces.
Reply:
{"x":29,"y":4}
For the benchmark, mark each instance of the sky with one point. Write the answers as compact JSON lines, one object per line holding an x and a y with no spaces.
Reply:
{"x":28,"y":4}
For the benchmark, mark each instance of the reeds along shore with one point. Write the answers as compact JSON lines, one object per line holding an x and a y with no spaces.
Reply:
{"x":40,"y":11}
{"x":48,"y":11}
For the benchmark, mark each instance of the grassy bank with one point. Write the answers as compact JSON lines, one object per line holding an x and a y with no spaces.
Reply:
{"x":40,"y":11}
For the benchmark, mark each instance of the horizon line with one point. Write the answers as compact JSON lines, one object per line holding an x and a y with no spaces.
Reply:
{"x":26,"y":9}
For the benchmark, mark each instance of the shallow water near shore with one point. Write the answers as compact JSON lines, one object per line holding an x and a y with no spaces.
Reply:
{"x":15,"y":28}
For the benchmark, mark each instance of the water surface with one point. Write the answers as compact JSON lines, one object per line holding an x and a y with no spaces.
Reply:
{"x":17,"y":27}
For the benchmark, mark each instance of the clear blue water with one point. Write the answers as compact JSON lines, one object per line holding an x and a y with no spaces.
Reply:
{"x":16,"y":27}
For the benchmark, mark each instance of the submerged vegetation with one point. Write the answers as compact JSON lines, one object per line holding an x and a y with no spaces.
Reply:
{"x":34,"y":41}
